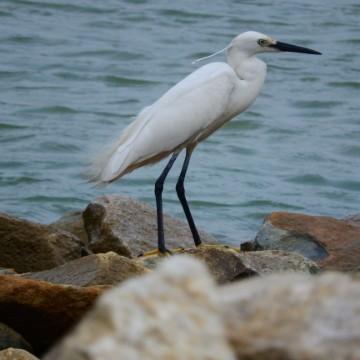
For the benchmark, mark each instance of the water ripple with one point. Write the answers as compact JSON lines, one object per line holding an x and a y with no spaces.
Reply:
{"x":125,"y":81}
{"x":73,"y":74}
{"x":317,"y":104}
{"x":308,"y":179}
{"x":70,"y":8}
{"x":185,"y":14}
{"x":7,"y":126}
{"x":20,"y":180}
{"x":345,"y":84}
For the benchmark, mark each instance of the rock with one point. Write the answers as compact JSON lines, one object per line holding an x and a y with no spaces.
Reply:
{"x":331,"y":243}
{"x":10,"y":338}
{"x":96,"y":269}
{"x":353,"y":219}
{"x":16,"y":354}
{"x":276,"y":261}
{"x":227,"y":264}
{"x":128,"y":227}
{"x":40,"y":311}
{"x":293,"y":317}
{"x":5,"y":271}
{"x":27,"y":246}
{"x":72,"y":222}
{"x":224,"y":262}
{"x":168,"y":314}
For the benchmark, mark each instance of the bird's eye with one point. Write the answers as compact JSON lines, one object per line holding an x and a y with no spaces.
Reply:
{"x":262,"y":42}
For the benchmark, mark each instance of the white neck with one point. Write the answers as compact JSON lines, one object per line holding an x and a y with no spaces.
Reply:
{"x":251,"y":73}
{"x":247,"y":67}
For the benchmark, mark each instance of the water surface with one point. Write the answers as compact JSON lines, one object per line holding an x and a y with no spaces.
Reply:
{"x":74,"y":74}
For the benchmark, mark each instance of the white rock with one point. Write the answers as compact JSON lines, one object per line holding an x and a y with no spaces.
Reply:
{"x":171,"y":313}
{"x":293,"y":317}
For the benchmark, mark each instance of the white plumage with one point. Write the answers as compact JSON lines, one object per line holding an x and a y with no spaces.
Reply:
{"x":189,"y":112}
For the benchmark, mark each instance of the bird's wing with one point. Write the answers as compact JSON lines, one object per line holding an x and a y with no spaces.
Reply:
{"x":192,"y":106}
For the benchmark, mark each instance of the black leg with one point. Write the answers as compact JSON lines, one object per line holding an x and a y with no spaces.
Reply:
{"x":181,"y":195}
{"x":159,"y":185}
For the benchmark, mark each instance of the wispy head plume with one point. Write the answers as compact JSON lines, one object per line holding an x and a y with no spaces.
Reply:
{"x":210,"y":56}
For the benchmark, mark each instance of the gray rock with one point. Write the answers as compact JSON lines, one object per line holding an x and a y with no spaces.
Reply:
{"x":275,"y":261}
{"x":27,"y":246}
{"x":16,"y":354}
{"x":128,"y":227}
{"x":293,"y":317}
{"x":270,"y":237}
{"x":96,"y":269}
{"x":10,"y":338}
{"x":168,"y":314}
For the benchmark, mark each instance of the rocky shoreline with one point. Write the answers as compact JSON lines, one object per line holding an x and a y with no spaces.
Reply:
{"x":91,"y":286}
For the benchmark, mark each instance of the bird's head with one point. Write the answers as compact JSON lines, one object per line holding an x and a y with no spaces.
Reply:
{"x":252,"y":42}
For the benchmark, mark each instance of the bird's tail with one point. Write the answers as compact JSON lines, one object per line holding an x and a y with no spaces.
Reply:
{"x":99,"y":170}
{"x":114,"y":161}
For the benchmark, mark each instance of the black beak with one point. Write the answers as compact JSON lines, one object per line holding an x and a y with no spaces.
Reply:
{"x":293,"y":48}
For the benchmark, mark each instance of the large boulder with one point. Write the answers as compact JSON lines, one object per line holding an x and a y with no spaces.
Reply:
{"x":96,"y":269}
{"x":16,"y":354}
{"x":168,"y":314}
{"x":27,"y":246}
{"x":293,"y":317}
{"x":227,"y":264}
{"x":331,"y":243}
{"x":128,"y":227}
{"x":40,"y":311}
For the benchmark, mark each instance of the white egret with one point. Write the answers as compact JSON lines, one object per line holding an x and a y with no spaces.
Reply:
{"x":187,"y":114}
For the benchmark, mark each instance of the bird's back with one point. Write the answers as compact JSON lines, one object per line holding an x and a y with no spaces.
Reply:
{"x":176,"y":120}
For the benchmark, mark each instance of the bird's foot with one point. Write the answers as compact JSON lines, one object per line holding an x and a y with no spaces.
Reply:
{"x":155,"y":252}
{"x":164,"y":251}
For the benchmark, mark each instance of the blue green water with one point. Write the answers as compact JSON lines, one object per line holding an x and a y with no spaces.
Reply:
{"x":73,"y":74}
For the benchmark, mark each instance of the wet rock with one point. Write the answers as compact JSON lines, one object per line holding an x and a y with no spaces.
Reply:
{"x":168,"y":314}
{"x":293,"y":317}
{"x":10,"y":338}
{"x":40,"y":311}
{"x":128,"y":227}
{"x":96,"y":269}
{"x":27,"y":246}
{"x":16,"y":354}
{"x":331,"y":243}
{"x":276,"y":261}
{"x":224,"y":262}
